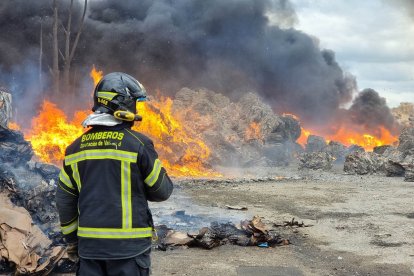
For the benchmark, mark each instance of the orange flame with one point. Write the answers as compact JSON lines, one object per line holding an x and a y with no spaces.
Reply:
{"x":348,"y":136}
{"x":253,"y":132}
{"x":14,"y":126}
{"x":96,"y":75}
{"x":52,"y":132}
{"x":181,"y":151}
{"x":304,"y":134}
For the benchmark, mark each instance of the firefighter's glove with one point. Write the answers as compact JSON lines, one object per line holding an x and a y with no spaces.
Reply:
{"x":72,"y":251}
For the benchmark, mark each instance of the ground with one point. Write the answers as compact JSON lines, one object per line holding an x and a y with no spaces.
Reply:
{"x":362,"y":225}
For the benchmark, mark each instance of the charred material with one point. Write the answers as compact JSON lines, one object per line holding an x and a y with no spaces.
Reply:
{"x":364,"y":163}
{"x":401,"y":159}
{"x":393,"y":161}
{"x":382,"y":149}
{"x":241,"y":133}
{"x":315,"y":144}
{"x":251,"y":232}
{"x":30,"y":185}
{"x":13,"y":148}
{"x":316,"y":160}
{"x":337,"y":151}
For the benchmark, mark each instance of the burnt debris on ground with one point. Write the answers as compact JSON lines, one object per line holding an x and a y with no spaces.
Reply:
{"x":252,"y":232}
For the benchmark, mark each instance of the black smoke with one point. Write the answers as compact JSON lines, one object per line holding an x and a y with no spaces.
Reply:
{"x":230,"y":46}
{"x":370,"y":111}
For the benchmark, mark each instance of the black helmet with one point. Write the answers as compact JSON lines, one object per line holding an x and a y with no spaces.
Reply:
{"x":118,"y":92}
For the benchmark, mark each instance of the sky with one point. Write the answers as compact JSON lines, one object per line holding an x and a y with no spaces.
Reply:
{"x":372,"y":39}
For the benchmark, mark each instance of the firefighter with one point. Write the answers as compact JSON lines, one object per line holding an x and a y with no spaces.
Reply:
{"x":109,"y":174}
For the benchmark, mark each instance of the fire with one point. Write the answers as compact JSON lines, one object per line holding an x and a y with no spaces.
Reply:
{"x":52,"y":132}
{"x":14,"y":126}
{"x":348,"y":136}
{"x":96,"y":75}
{"x":304,"y":134}
{"x":253,"y":132}
{"x":181,"y":151}
{"x":366,"y":140}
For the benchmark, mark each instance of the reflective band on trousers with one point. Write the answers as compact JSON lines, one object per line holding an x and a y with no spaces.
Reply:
{"x":101,"y":154}
{"x":70,"y":228}
{"x":114,"y":233}
{"x":153,"y":176}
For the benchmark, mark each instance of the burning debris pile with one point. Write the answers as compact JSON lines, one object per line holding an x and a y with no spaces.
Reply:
{"x":393,"y":161}
{"x":240,"y":133}
{"x":322,"y":155}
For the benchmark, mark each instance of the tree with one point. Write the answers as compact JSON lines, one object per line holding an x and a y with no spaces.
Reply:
{"x":69,"y":51}
{"x":55,"y":66}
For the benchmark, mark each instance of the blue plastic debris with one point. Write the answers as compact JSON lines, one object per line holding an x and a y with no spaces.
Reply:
{"x":263,"y":244}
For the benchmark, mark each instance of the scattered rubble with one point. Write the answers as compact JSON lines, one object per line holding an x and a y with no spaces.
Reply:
{"x":382,"y":149}
{"x":24,"y":246}
{"x":364,"y":163}
{"x":13,"y":148}
{"x":393,"y":161}
{"x":27,"y":200}
{"x":316,"y":160}
{"x":292,"y":223}
{"x":337,"y":150}
{"x":250,"y":233}
{"x":406,"y":139}
{"x":315,"y":144}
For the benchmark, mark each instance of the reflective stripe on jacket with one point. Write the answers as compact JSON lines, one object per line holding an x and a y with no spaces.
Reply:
{"x":108,"y":175}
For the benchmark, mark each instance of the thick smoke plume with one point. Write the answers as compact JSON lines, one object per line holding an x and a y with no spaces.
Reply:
{"x":370,"y":110}
{"x":227,"y":46}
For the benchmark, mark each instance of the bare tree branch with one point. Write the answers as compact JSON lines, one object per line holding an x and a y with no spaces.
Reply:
{"x":82,"y":21}
{"x":68,"y":33}
{"x":61,"y":55}
{"x":55,"y":69}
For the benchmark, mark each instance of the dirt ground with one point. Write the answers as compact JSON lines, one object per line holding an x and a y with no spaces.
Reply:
{"x":362,"y":225}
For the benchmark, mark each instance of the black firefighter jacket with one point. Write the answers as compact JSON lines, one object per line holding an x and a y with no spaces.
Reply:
{"x":108,"y":175}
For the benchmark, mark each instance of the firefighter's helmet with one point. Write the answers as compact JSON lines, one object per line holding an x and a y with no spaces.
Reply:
{"x":117,"y":94}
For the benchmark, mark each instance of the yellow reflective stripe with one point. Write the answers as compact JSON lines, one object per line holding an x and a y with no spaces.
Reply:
{"x":126,"y":195}
{"x":114,"y":233}
{"x":76,"y":176}
{"x":101,"y":154}
{"x":134,"y":136}
{"x":153,"y":176}
{"x":65,"y":189}
{"x":65,"y":179}
{"x":70,"y":228}
{"x":106,"y":95}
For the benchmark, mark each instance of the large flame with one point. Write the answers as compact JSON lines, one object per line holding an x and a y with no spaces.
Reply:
{"x":181,"y":151}
{"x":52,"y":132}
{"x":349,"y":136}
